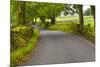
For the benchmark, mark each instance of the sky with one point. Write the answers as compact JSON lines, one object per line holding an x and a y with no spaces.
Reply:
{"x":85,"y":7}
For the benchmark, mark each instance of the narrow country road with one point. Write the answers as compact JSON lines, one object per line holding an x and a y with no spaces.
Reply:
{"x":58,"y":47}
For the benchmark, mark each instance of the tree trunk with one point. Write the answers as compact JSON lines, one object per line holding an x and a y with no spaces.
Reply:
{"x":21,"y":13}
{"x":53,"y":20}
{"x":42,"y":18}
{"x":93,"y":13}
{"x":53,"y":15}
{"x":81,"y":17}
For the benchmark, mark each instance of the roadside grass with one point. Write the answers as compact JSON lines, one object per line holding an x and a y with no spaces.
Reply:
{"x":18,"y":56}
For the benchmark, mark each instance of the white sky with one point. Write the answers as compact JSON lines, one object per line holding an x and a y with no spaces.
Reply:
{"x":85,"y":7}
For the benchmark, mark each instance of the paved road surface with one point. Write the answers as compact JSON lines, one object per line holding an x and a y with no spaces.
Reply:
{"x":59,"y":47}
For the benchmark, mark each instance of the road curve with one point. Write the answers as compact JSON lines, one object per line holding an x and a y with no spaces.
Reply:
{"x":58,"y":47}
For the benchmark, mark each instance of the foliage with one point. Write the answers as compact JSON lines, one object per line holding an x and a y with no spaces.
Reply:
{"x":69,"y":9}
{"x":31,"y":11}
{"x":25,"y":12}
{"x":20,"y":36}
{"x":17,"y":12}
{"x":13,"y":6}
{"x":24,"y":38}
{"x":18,"y":56}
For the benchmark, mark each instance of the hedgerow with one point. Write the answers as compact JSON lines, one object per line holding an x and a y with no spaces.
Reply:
{"x":23,"y":49}
{"x":20,"y":37}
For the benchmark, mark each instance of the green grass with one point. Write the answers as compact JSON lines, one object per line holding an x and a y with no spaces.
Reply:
{"x":19,"y":55}
{"x":61,"y":27}
{"x":74,"y":18}
{"x":91,"y":23}
{"x":66,"y":18}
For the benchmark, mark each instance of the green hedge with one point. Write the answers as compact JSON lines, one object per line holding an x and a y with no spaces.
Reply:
{"x":20,"y":36}
{"x":19,"y":55}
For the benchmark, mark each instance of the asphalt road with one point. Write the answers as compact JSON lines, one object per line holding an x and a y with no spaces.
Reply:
{"x":58,"y":47}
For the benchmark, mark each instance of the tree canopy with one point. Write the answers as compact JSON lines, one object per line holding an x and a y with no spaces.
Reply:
{"x":23,"y":12}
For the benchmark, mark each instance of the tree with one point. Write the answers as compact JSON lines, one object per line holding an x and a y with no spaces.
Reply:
{"x":49,"y":11}
{"x":69,"y":9}
{"x":18,"y":12}
{"x":53,"y":15}
{"x":79,"y":10}
{"x":31,"y":11}
{"x":80,"y":7}
{"x":73,"y":9}
{"x":87,"y":12}
{"x":13,"y":12}
{"x":55,"y":11}
{"x":93,"y":13}
{"x":21,"y":12}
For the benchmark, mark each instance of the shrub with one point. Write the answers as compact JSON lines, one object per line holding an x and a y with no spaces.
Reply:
{"x":18,"y":56}
{"x":20,"y":37}
{"x":17,"y":42}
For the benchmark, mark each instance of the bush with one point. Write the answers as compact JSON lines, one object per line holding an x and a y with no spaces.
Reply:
{"x":17,"y":42}
{"x":20,"y":37}
{"x":18,"y":56}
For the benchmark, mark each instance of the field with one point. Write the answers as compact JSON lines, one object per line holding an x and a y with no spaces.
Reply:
{"x":73,"y":18}
{"x":87,"y":20}
{"x":62,"y":22}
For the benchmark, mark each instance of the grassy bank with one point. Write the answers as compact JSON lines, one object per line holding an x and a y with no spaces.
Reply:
{"x":18,"y":56}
